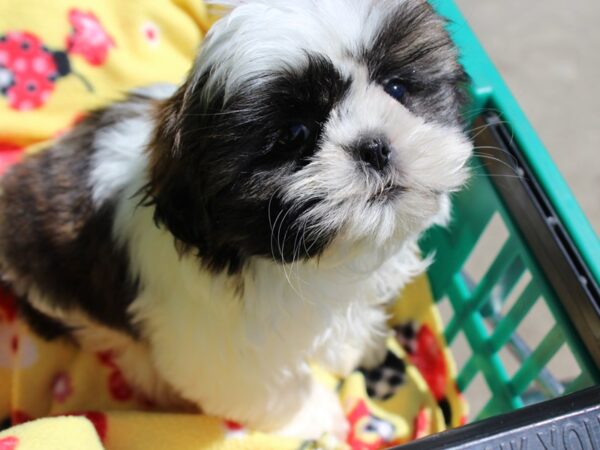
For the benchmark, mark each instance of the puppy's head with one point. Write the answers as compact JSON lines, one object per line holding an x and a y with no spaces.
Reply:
{"x":308,"y":125}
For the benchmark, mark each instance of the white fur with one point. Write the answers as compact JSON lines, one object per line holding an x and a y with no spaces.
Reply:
{"x":264,"y":36}
{"x":112,"y":162}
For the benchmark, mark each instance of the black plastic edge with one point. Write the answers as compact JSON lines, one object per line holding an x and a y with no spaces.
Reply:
{"x":548,"y":240}
{"x":571,"y":422}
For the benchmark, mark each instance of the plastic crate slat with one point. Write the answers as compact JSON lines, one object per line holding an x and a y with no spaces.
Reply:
{"x":499,"y":404}
{"x":484,"y":360}
{"x":497,"y":380}
{"x":509,"y":323}
{"x":503,"y":261}
{"x":457,"y":300}
{"x":467,"y":374}
{"x":504,"y":286}
{"x":584,"y":380}
{"x":467,"y":302}
{"x":538,"y":360}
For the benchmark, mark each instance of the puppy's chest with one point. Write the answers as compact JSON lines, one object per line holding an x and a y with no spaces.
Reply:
{"x":285,"y":316}
{"x":190,"y":315}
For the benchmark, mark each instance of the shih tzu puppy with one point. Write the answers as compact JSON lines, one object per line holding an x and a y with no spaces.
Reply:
{"x":220,"y":237}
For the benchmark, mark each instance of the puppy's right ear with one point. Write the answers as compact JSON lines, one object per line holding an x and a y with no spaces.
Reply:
{"x":175,"y":187}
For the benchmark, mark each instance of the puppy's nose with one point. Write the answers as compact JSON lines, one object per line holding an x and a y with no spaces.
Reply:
{"x":375,"y":152}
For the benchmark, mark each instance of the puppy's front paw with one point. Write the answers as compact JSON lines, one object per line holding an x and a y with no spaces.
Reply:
{"x":321,"y":414}
{"x":375,"y":353}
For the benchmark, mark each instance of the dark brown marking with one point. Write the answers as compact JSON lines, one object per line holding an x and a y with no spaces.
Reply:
{"x":53,"y":238}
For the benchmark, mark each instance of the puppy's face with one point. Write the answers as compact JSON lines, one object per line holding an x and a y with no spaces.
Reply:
{"x":306,"y":125}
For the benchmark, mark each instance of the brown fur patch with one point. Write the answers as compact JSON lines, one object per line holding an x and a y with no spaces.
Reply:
{"x":52,"y":236}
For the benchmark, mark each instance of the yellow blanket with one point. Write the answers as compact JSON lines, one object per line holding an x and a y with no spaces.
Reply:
{"x":411,"y":395}
{"x":61,"y":58}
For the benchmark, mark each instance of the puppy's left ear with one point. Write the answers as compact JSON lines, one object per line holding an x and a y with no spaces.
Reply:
{"x":175,"y":187}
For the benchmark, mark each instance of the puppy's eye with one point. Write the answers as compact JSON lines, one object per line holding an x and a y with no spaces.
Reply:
{"x":396,"y":89}
{"x":296,"y":135}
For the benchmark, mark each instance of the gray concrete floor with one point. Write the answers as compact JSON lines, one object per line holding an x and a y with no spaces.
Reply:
{"x":548,"y":51}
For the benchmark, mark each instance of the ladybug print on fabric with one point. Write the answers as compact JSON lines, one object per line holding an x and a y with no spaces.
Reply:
{"x":29,"y":70}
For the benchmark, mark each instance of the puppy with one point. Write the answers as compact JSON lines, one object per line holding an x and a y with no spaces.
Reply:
{"x":219,"y":237}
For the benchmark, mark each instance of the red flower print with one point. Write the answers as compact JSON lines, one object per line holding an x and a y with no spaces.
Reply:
{"x":88,"y":38}
{"x":146,"y":403}
{"x":14,"y":344}
{"x":61,"y":387}
{"x":18,"y":417}
{"x":16,"y":349}
{"x":118,"y":387}
{"x":234,"y":430}
{"x":99,"y":421}
{"x":8,"y":307}
{"x":9,"y":155}
{"x":9,"y":443}
{"x":233,"y":426}
{"x":151,"y":33}
{"x":106,"y":359}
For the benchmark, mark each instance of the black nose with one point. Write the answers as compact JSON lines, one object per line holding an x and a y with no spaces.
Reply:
{"x":375,"y":152}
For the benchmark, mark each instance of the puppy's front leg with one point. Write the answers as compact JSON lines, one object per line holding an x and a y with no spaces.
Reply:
{"x":299,"y":406}
{"x":255,"y":391}
{"x":320,"y":412}
{"x":366,"y":347}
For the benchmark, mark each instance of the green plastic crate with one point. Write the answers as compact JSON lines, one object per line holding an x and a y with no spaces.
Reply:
{"x":549,"y":241}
